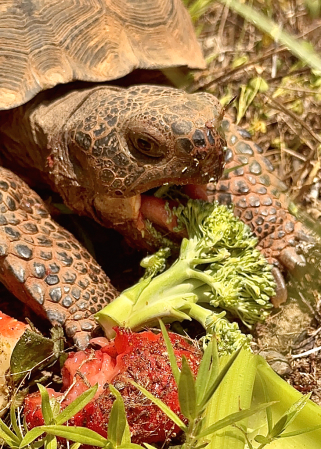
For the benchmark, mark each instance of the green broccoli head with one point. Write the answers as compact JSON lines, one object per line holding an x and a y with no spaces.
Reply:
{"x":239,"y":277}
{"x":218,"y":268}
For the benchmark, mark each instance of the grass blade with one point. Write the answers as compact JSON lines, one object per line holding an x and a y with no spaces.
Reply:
{"x":162,"y":406}
{"x":117,"y":423}
{"x":170,"y":351}
{"x":32,"y":435}
{"x":208,"y":370}
{"x":233,"y":418}
{"x":216,"y":383}
{"x":77,"y":405}
{"x":50,"y":442}
{"x":8,"y":435}
{"x":14,"y":423}
{"x":46,"y":409}
{"x":298,"y":47}
{"x":300,"y":432}
{"x":78,"y":434}
{"x":187,"y":392}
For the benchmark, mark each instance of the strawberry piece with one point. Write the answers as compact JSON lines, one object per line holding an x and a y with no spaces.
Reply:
{"x":32,"y":407}
{"x":141,"y":357}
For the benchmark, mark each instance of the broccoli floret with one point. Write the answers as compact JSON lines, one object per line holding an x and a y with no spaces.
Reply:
{"x":218,"y":268}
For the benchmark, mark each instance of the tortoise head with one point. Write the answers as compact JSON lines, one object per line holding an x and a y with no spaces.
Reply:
{"x":122,"y":143}
{"x":130,"y":141}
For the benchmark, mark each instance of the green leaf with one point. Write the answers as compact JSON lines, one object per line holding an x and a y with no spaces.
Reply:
{"x":262,"y":439}
{"x":186,"y":391}
{"x":75,"y":446}
{"x":14,"y":423}
{"x":32,"y":435}
{"x":278,"y":427}
{"x":170,"y":351}
{"x":232,"y":419}
{"x":299,"y":432}
{"x":45,"y":405}
{"x":8,"y":435}
{"x":32,"y":350}
{"x":296,"y":408}
{"x":215,"y":383}
{"x":117,"y":420}
{"x":39,"y":443}
{"x":50,"y":442}
{"x":162,"y":406}
{"x":288,"y":417}
{"x":132,"y":446}
{"x":269,"y":417}
{"x":77,"y":405}
{"x":75,"y":433}
{"x":208,"y":370}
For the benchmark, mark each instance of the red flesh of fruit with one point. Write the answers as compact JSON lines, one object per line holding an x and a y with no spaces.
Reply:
{"x":141,"y":357}
{"x":10,"y":328}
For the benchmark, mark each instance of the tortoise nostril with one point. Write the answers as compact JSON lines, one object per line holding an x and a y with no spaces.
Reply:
{"x":199,"y":138}
{"x":210,"y":137}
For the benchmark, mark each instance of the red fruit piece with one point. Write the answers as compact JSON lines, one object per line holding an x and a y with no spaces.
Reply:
{"x":10,"y":328}
{"x":141,"y":357}
{"x":10,"y":332}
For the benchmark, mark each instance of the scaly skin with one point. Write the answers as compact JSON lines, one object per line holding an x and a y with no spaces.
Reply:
{"x":44,"y":265}
{"x":100,"y":148}
{"x":258,"y":196}
{"x":88,"y":146}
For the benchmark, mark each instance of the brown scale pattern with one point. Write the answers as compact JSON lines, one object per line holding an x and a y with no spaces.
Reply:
{"x":45,"y":266}
{"x":43,"y":44}
{"x":103,"y":137}
{"x":258,"y":196}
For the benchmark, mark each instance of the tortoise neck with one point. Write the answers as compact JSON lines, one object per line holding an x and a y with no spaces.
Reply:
{"x":32,"y":140}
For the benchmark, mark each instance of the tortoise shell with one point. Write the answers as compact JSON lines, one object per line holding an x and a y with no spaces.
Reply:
{"x":48,"y":42}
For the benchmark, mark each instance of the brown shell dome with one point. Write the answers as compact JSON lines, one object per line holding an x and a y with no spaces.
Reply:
{"x":47,"y":42}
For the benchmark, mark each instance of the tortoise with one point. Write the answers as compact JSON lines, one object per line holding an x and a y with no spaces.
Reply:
{"x":101,"y":146}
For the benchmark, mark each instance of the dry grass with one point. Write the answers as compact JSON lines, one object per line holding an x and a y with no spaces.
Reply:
{"x":278,"y":97}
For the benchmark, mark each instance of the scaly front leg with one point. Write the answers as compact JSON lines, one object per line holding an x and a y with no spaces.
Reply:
{"x":43,"y":264}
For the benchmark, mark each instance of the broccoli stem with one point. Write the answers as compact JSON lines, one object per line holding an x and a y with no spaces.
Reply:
{"x":165,"y":296}
{"x":217,"y":265}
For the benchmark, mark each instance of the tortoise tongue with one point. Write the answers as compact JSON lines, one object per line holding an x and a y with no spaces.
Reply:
{"x":154,"y":210}
{"x":196,"y":192}
{"x":129,"y":215}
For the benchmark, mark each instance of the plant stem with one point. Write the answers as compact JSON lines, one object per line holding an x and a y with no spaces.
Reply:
{"x":233,"y":395}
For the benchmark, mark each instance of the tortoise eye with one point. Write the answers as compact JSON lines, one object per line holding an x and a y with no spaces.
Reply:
{"x":146,"y":145}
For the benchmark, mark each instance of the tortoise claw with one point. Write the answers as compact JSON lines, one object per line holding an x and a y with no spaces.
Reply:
{"x":281,"y":289}
{"x":81,"y":340}
{"x":291,"y":259}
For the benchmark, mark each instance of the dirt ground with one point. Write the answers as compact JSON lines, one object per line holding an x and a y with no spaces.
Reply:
{"x":284,"y":118}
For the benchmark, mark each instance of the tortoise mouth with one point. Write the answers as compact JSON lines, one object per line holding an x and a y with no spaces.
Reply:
{"x":156,"y":204}
{"x":133,"y":216}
